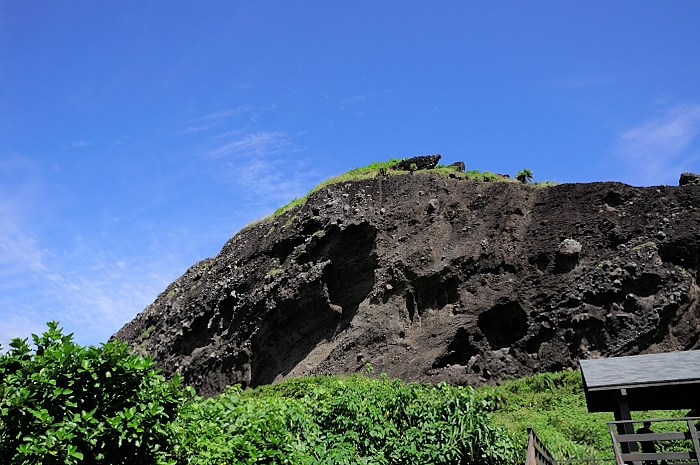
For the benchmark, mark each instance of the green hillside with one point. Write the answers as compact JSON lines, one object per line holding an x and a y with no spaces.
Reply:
{"x":555,"y":406}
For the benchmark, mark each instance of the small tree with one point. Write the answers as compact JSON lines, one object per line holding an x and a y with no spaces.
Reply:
{"x":67,"y":404}
{"x":524,"y":176}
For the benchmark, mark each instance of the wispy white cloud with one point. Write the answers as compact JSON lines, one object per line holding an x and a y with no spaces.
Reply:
{"x":101,"y":302}
{"x":91,"y":291}
{"x":260,"y":144}
{"x":269,"y":186}
{"x":19,"y":251}
{"x":353,"y":101}
{"x":658,"y":150}
{"x":220,"y":115}
{"x":93,"y":299}
{"x":268,"y":168}
{"x":211,"y":120}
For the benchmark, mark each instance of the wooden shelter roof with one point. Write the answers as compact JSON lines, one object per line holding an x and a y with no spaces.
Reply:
{"x":650,"y":382}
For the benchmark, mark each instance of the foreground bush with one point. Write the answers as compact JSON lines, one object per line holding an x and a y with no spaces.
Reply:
{"x":67,"y":404}
{"x":335,"y":420}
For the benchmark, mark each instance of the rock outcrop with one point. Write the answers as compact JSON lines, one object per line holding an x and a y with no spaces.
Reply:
{"x":689,"y":179}
{"x":435,"y":279}
{"x":423,"y":162}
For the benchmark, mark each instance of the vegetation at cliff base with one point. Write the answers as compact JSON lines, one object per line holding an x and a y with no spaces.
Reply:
{"x":554,"y":404}
{"x":61,"y":403}
{"x":339,"y":420}
{"x":66,"y":404}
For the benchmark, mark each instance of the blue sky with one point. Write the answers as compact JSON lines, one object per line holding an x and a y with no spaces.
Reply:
{"x":137,"y":137}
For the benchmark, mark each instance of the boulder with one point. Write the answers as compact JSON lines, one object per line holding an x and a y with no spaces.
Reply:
{"x":689,"y":179}
{"x":423,"y":162}
{"x":570,"y":247}
{"x":459,"y":165}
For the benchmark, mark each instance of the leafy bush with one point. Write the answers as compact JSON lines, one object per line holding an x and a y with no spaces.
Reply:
{"x":524,"y":176}
{"x":336,"y":420}
{"x":233,"y":428}
{"x":67,"y":404}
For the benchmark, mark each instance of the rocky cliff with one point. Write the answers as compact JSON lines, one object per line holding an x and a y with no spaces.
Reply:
{"x":430,"y":278}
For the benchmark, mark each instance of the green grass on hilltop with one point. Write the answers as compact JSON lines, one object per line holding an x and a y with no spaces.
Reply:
{"x":378,"y":168}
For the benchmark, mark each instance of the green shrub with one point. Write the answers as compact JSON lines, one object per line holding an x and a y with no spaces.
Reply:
{"x":233,"y":429}
{"x":67,"y":404}
{"x":337,"y":420}
{"x":524,"y":176}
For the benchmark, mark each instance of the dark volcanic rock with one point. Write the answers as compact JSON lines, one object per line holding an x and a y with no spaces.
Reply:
{"x":689,"y":179}
{"x":459,"y":165}
{"x":423,"y":162}
{"x":432,"y":279}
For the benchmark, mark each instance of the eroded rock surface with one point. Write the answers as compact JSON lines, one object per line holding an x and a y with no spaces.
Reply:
{"x":432,"y":279}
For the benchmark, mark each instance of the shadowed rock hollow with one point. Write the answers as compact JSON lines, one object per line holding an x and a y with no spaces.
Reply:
{"x":435,"y":279}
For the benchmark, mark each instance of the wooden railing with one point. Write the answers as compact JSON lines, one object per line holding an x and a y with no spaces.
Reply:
{"x":689,"y":434}
{"x":537,"y":453}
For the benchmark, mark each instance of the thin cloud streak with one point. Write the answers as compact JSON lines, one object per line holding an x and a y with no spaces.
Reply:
{"x":659,"y":149}
{"x":219,"y":115}
{"x":356,"y":100}
{"x":259,"y":144}
{"x":266,"y":167}
{"x":18,"y":252}
{"x":206,"y":122}
{"x":262,"y":182}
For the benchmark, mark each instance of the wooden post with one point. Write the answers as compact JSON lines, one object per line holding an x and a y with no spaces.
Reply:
{"x":622,"y":412}
{"x":694,"y":438}
{"x":616,"y":446}
{"x":531,"y":458}
{"x":537,"y":452}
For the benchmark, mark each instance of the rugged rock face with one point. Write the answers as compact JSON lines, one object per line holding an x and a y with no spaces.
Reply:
{"x":430,"y":278}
